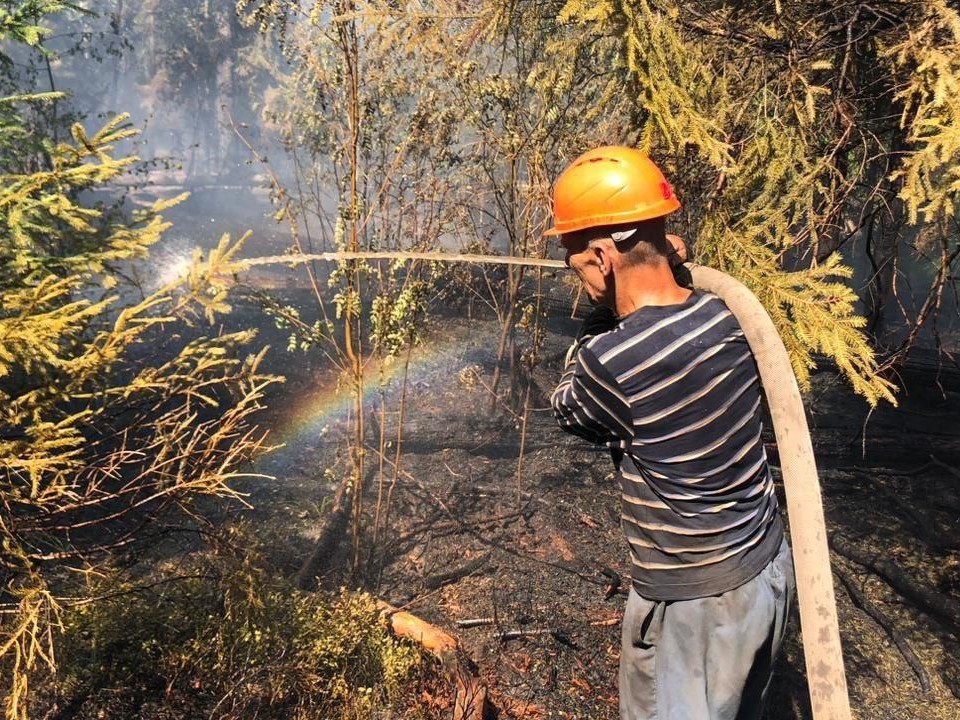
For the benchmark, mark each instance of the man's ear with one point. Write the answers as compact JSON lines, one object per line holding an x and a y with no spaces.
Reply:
{"x":603,"y":253}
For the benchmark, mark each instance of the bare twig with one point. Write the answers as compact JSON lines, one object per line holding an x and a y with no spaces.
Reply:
{"x":861,"y":601}
{"x":523,"y":442}
{"x":944,"y":609}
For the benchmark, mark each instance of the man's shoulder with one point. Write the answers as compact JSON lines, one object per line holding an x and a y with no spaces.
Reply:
{"x":667,"y":336}
{"x":646,"y":323}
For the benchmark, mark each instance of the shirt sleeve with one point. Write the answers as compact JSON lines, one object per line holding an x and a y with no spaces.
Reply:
{"x":589,"y":403}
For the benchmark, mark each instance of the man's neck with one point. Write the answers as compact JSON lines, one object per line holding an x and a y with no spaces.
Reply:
{"x":647,"y":285}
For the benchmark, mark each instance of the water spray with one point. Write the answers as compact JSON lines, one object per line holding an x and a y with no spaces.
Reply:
{"x":388,"y":255}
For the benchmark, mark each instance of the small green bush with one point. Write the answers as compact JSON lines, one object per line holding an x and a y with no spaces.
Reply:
{"x":226,"y":640}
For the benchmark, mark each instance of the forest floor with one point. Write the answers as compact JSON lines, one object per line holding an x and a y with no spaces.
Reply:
{"x":478,"y":530}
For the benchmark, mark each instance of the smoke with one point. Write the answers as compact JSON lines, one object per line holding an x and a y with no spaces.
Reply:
{"x":189,"y":74}
{"x":195,"y":80}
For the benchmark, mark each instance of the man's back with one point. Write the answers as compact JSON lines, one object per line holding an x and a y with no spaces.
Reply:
{"x":675,"y":389}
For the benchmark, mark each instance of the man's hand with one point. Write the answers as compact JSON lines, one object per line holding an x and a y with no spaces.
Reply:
{"x":679,"y":249}
{"x":681,"y":274}
{"x":602,"y":319}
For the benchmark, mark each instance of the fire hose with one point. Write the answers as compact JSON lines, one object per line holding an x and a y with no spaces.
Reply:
{"x":818,"y":610}
{"x":822,"y":653}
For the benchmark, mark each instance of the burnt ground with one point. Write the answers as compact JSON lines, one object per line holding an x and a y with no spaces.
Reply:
{"x":477,"y":533}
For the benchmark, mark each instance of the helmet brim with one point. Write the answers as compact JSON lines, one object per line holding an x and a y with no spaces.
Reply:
{"x":666,"y":207}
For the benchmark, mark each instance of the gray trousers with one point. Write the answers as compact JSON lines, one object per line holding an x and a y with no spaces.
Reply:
{"x":709,"y":658}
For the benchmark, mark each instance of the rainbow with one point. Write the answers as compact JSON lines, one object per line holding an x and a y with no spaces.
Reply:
{"x":328,"y":402}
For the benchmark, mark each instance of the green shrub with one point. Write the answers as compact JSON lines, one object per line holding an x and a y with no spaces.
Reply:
{"x":227,"y":640}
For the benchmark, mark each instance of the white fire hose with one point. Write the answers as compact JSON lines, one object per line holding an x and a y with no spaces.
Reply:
{"x":811,"y":557}
{"x":808,"y":534}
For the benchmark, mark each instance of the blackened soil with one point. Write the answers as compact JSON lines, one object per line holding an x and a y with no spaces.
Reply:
{"x":526,"y":544}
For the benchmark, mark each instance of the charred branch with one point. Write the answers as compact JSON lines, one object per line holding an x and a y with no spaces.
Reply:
{"x":928,"y":600}
{"x":861,"y":601}
{"x":332,"y":532}
{"x":437,"y":580}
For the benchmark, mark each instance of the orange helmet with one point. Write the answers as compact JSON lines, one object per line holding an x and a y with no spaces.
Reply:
{"x":610,"y":186}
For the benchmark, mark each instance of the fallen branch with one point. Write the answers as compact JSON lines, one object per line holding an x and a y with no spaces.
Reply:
{"x":862,"y":602}
{"x":439,"y":529}
{"x":921,"y":525}
{"x":475,"y":622}
{"x":332,"y":531}
{"x":471,"y":694}
{"x":505,"y":635}
{"x":926,"y":599}
{"x":873,"y":471}
{"x":609,"y":622}
{"x":483,"y":539}
{"x":943,"y":466}
{"x":928,"y":531}
{"x":559,"y":635}
{"x":432,"y":582}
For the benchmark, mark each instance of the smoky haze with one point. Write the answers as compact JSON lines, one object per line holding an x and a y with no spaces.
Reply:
{"x":192,"y":77}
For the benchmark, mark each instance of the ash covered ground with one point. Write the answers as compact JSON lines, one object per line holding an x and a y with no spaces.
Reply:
{"x":527,"y":543}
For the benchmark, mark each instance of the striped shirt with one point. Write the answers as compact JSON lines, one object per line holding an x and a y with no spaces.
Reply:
{"x":674,"y":391}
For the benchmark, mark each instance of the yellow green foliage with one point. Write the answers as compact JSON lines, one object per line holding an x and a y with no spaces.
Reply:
{"x":107,"y":420}
{"x":930,"y":54}
{"x":19,"y":22}
{"x":455,"y":121}
{"x":222,"y":638}
{"x":775,"y":131}
{"x":89,"y":438}
{"x":117,"y":411}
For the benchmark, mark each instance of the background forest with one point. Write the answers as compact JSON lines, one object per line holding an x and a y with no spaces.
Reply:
{"x":815,"y":148}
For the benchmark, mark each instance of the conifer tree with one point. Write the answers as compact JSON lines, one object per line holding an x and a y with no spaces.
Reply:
{"x":793,"y":128}
{"x":104,"y":428}
{"x":797,"y":134}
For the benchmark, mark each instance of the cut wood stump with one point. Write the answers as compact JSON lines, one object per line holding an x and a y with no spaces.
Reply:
{"x":471,"y":694}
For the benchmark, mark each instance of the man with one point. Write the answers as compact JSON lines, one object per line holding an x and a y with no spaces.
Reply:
{"x":663,"y":375}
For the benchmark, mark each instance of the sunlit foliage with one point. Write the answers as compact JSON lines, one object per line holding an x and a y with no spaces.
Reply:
{"x":104,"y":429}
{"x":775,"y":122}
{"x":225,"y":639}
{"x":791,"y":128}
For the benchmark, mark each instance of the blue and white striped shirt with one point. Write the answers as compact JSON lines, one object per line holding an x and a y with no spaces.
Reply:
{"x":675,"y":390}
